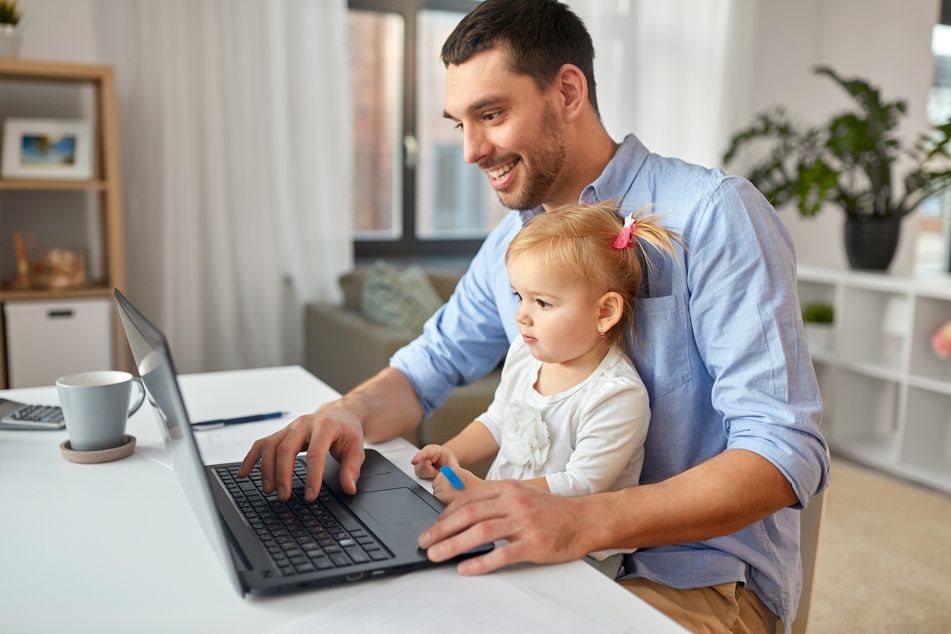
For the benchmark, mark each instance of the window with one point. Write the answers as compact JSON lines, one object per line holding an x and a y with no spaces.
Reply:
{"x":414,"y":195}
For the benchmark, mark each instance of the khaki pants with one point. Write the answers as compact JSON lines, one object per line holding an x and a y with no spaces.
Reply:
{"x":728,"y":607}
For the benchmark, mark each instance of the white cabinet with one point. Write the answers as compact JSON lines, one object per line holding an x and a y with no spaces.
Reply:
{"x":886,"y":394}
{"x":48,"y":339}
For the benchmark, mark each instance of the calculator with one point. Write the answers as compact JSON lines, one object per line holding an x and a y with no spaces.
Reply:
{"x":15,"y":415}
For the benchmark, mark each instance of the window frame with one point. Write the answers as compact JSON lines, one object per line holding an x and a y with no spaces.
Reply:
{"x":409,"y":244}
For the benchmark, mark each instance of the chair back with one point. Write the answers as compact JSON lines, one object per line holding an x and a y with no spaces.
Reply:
{"x":810,"y":531}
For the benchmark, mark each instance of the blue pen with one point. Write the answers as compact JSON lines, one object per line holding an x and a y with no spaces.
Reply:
{"x":221,"y":422}
{"x":452,"y":477}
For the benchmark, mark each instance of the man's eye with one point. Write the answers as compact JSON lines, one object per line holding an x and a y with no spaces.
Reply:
{"x":490,"y":116}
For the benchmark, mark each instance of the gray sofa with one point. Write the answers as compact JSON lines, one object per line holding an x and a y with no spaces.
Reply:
{"x":344,"y":348}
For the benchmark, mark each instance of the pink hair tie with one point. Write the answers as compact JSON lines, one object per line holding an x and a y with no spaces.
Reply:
{"x":625,"y":239}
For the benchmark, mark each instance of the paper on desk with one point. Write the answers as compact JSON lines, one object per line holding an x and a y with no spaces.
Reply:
{"x":232,"y":443}
{"x":220,"y":445}
{"x":441,"y":600}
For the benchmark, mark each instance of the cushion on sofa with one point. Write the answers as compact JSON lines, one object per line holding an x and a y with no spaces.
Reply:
{"x":401,"y":299}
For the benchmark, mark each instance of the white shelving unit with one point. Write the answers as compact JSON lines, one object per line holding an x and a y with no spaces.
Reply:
{"x":886,"y":394}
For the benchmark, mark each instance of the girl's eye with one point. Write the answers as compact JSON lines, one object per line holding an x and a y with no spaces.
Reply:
{"x":543,"y":304}
{"x":517,"y":295}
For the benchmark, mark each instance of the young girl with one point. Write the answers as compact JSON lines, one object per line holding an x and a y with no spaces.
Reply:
{"x":570,"y":415}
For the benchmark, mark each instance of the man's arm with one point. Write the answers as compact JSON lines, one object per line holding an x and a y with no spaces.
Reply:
{"x":717,"y":497}
{"x":378,"y":409}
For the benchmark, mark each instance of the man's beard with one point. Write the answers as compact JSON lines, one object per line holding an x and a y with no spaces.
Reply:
{"x":547,"y":163}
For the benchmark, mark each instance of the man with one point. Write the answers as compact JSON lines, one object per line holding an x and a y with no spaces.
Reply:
{"x":733,"y":451}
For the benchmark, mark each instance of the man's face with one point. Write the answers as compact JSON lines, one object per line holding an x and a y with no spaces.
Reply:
{"x":510,"y":129}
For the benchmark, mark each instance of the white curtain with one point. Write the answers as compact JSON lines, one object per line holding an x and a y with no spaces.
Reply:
{"x":236,"y":145}
{"x":675,"y":72}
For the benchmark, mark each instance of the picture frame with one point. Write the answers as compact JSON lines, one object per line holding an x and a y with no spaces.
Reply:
{"x":47,"y":149}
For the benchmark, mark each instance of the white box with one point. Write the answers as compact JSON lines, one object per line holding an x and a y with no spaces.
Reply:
{"x":49,"y":339}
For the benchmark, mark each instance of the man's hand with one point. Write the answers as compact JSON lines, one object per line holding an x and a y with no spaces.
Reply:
{"x":332,"y":428}
{"x":378,"y":409}
{"x":540,"y":527}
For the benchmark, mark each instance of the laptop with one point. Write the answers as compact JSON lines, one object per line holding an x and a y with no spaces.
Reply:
{"x":268,"y":546}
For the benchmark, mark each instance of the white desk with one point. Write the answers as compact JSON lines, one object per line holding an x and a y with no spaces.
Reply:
{"x":115,"y":547}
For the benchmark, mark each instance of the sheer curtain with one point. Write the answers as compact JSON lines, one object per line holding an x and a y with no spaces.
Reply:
{"x":675,"y":73}
{"x":235,"y":132}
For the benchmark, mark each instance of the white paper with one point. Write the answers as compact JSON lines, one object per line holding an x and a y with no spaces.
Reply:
{"x":441,"y":601}
{"x":232,"y":443}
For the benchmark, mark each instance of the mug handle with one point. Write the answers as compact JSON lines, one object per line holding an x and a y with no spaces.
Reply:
{"x":138,"y":403}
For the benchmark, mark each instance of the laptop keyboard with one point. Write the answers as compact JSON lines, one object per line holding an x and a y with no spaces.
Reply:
{"x":302,"y":537}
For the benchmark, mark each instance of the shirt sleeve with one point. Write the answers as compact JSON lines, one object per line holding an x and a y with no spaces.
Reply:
{"x":610,"y":441}
{"x":465,"y":339}
{"x":746,"y":322}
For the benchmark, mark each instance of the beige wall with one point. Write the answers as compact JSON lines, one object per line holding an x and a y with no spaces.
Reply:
{"x":885,"y":41}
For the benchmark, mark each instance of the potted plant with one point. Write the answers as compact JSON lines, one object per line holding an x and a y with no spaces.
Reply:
{"x":850,"y":161}
{"x":817,"y":318}
{"x":9,"y":33}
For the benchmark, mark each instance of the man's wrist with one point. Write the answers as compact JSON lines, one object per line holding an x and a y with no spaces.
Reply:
{"x":594,"y":522}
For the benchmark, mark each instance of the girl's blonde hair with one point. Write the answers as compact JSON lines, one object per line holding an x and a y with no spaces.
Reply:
{"x":580,"y":238}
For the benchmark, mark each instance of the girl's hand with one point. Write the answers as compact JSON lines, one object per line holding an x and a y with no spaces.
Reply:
{"x":446,"y":493}
{"x":431,"y":458}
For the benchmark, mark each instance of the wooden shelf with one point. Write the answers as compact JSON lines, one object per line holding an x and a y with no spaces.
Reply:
{"x":105,"y":183}
{"x":37,"y":184}
{"x":56,"y":294}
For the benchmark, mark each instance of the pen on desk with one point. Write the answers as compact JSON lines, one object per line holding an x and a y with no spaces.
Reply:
{"x":221,"y":422}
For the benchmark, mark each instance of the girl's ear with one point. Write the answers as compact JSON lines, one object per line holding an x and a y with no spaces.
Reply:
{"x":610,"y":308}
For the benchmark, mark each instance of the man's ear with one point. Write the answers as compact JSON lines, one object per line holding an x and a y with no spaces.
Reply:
{"x":610,"y":308}
{"x":572,"y":88}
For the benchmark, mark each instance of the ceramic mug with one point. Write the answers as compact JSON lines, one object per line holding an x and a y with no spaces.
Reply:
{"x":96,"y":407}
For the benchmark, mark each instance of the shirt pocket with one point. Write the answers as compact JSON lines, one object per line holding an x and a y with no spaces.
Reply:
{"x":662,"y":355}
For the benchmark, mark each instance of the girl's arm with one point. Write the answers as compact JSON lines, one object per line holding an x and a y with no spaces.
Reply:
{"x":473,"y":443}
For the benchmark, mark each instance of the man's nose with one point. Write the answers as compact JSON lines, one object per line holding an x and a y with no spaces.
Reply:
{"x":475,"y":145}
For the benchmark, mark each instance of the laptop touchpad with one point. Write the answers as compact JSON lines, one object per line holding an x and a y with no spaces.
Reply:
{"x":396,"y":505}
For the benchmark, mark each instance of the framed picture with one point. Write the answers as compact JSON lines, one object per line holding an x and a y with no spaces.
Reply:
{"x":46,"y":148}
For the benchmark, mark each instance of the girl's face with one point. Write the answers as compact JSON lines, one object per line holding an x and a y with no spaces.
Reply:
{"x":557,"y":315}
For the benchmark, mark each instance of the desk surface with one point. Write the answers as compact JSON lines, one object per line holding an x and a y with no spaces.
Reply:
{"x":115,"y":547}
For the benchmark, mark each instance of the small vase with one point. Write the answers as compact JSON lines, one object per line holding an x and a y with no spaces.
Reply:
{"x":9,"y":40}
{"x":818,"y":337}
{"x":871,"y":244}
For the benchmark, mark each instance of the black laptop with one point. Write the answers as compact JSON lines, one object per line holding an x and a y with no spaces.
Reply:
{"x":270,"y":546}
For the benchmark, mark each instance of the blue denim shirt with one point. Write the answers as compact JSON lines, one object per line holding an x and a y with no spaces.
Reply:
{"x":721,"y":352}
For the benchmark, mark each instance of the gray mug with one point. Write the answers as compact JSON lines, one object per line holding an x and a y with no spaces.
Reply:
{"x":96,"y":407}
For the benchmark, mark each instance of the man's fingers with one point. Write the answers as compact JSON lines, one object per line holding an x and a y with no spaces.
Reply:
{"x":251,"y":459}
{"x":351,"y":459}
{"x":470,"y":508}
{"x":499,"y":557}
{"x":286,"y":456}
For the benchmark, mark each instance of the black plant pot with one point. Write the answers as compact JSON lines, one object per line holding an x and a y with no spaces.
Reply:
{"x":871,"y":244}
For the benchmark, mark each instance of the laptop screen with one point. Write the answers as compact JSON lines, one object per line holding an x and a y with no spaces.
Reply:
{"x":154,"y":364}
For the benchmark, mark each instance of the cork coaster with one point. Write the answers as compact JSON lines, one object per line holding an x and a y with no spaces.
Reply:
{"x":103,"y":455}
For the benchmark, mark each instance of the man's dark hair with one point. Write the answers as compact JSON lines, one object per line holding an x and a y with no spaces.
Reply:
{"x":539,"y":35}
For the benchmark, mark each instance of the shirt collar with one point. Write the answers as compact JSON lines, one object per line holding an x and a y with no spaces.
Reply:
{"x":616,"y":179}
{"x":614,"y":182}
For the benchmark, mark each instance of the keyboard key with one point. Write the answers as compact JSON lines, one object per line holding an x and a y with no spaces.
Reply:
{"x":357,"y":554}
